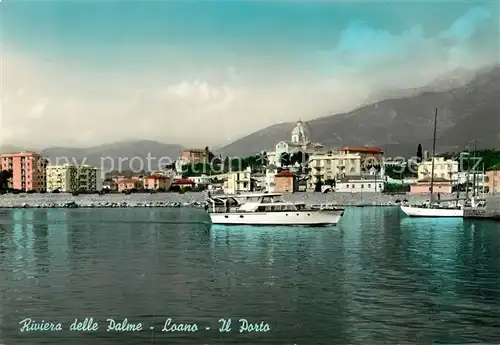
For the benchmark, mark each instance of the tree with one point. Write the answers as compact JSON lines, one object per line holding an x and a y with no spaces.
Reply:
{"x":209,"y":154}
{"x":226,"y":164}
{"x":5,"y":176}
{"x":262,"y":160}
{"x":420,"y":155}
{"x":299,"y":157}
{"x":285,"y":159}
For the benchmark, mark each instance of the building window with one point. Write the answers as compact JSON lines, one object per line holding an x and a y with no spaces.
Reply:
{"x":369,"y":186}
{"x":353,"y":186}
{"x":362,"y":186}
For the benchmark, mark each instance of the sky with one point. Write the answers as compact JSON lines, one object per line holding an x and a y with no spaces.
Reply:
{"x":83,"y":73}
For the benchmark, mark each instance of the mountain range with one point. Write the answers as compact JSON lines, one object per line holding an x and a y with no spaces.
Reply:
{"x":468,"y":110}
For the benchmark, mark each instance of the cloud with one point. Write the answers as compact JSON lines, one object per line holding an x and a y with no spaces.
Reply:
{"x":54,"y":102}
{"x":411,"y":58}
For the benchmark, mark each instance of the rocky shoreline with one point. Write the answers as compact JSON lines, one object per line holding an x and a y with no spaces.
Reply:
{"x":195,"y":200}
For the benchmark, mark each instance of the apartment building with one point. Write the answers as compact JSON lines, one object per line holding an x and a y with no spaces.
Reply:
{"x":238,"y":181}
{"x":333,"y":166}
{"x":70,"y":178}
{"x":28,"y":170}
{"x":370,"y":156}
{"x":157,"y":182}
{"x":194,"y":156}
{"x":445,"y":169}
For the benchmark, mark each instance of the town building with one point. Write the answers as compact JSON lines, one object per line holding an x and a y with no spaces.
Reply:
{"x":110,"y":185}
{"x":238,"y":181}
{"x":299,"y":141}
{"x":440,"y":185}
{"x":194,"y":156}
{"x":28,"y":170}
{"x":128,"y":184}
{"x":285,"y":182}
{"x":357,"y":185}
{"x":493,"y":179}
{"x":157,"y":182}
{"x":70,"y":178}
{"x":477,"y":179}
{"x":370,"y":157}
{"x":332,"y":166}
{"x":259,"y":181}
{"x":201,"y":181}
{"x":443,"y":168}
{"x":271,"y":171}
{"x":182,"y":184}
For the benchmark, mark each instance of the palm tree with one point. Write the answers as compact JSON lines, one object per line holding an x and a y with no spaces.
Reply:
{"x":262,"y":160}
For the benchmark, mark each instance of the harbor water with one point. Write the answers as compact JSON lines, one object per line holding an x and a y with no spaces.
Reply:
{"x":375,"y":278}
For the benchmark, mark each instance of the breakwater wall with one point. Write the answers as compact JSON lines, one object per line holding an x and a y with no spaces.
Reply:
{"x":188,"y":200}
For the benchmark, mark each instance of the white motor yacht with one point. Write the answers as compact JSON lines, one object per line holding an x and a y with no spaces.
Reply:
{"x":268,"y":209}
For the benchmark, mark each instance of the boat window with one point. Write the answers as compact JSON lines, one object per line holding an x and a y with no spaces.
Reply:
{"x":267,"y":200}
{"x":261,"y":209}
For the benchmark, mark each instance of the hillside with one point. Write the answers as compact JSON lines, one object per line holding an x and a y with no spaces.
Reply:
{"x":469,"y":112}
{"x":109,"y":156}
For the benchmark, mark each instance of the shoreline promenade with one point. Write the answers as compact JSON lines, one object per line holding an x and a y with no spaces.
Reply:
{"x":190,"y":199}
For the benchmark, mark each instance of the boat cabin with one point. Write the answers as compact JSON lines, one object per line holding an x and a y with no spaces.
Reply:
{"x":262,"y":202}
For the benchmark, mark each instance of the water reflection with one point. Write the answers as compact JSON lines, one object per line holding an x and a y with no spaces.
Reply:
{"x":282,"y":253}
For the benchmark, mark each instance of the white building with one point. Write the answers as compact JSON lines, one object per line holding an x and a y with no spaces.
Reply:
{"x":71,"y":178}
{"x":332,"y":166}
{"x":238,"y":181}
{"x":299,"y":141}
{"x":462,"y":178}
{"x":360,"y":186}
{"x":447,"y":169}
{"x":202,"y":180}
{"x":271,"y":171}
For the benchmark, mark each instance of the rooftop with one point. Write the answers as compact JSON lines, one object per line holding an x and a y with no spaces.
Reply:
{"x":194,"y":150}
{"x":436,"y":179}
{"x":366,"y":149}
{"x":157,"y":176}
{"x":19,"y":154}
{"x":285,"y":174}
{"x":184,"y":181}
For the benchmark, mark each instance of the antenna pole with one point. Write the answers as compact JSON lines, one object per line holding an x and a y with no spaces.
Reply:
{"x":433,"y":154}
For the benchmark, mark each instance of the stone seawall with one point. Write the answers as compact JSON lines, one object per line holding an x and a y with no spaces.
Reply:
{"x":189,"y":199}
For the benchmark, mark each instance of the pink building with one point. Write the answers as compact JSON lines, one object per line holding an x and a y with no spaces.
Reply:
{"x":441,"y":185}
{"x":28,"y":170}
{"x":129,"y":184}
{"x":155,"y":182}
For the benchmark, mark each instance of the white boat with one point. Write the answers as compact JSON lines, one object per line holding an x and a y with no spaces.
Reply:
{"x":433,"y":209}
{"x":268,"y":209}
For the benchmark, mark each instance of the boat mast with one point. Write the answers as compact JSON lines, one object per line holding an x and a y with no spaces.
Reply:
{"x":433,"y":154}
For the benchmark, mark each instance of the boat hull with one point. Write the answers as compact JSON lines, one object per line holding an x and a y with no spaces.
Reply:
{"x":299,"y":218}
{"x":432,"y":212}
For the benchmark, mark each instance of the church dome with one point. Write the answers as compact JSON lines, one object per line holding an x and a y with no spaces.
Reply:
{"x":300,"y":134}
